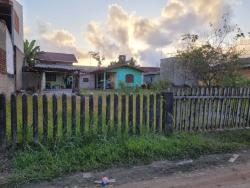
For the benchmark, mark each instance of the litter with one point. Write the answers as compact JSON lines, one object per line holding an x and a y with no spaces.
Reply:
{"x":234,"y":158}
{"x":105,"y":181}
{"x":185,"y":162}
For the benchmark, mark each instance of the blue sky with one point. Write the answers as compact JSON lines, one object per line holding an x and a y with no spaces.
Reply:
{"x":74,"y":17}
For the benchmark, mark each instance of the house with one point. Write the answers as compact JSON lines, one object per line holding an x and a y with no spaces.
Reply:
{"x":11,"y":45}
{"x":245,"y":68}
{"x":176,"y":73}
{"x":117,"y":75}
{"x":151,"y":74}
{"x":52,"y":72}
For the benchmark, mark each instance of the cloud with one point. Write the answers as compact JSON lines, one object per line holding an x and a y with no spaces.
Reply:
{"x":50,"y":38}
{"x":127,"y":33}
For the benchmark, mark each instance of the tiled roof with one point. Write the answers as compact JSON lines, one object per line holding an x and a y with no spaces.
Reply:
{"x":56,"y":57}
{"x":150,"y":69}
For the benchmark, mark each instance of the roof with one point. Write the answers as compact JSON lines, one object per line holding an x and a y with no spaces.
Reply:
{"x":151,"y":69}
{"x":118,"y":65}
{"x":56,"y":67}
{"x":56,"y":57}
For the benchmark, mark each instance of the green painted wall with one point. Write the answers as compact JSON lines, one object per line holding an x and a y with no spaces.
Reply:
{"x":121,"y":73}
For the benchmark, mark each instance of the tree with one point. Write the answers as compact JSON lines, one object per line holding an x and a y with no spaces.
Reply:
{"x":208,"y":60}
{"x":30,"y":52}
{"x":97,"y":57}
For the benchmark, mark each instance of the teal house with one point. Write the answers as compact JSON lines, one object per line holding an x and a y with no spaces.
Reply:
{"x":118,"y":75}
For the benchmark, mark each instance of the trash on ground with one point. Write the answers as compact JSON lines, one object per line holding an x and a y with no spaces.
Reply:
{"x":234,"y":158}
{"x":185,"y":162}
{"x":105,"y":181}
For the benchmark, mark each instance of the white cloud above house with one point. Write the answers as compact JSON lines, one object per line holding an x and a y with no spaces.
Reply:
{"x":146,"y":39}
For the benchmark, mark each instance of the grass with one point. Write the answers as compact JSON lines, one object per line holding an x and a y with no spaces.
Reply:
{"x":37,"y":162}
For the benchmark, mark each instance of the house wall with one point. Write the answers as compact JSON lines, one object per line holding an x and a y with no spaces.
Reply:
{"x":7,"y":84}
{"x":177,"y":74}
{"x":121,"y":76}
{"x":18,"y":25}
{"x":31,"y":81}
{"x":150,"y":78}
{"x":245,"y":72}
{"x":87,"y":85}
{"x":59,"y":83}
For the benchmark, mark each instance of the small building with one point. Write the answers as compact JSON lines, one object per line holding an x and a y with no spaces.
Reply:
{"x":11,"y":45}
{"x":176,"y":73}
{"x":118,"y":75}
{"x":150,"y":75}
{"x":52,"y":72}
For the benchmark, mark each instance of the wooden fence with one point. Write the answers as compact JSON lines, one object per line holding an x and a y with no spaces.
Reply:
{"x":41,"y":118}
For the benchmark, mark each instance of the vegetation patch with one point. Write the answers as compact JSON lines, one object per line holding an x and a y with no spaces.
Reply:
{"x":38,"y":162}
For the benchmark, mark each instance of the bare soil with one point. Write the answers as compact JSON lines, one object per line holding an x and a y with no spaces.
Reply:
{"x":206,"y":172}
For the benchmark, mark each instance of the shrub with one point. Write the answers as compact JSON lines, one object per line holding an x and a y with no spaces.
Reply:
{"x":160,"y":84}
{"x":235,"y":80}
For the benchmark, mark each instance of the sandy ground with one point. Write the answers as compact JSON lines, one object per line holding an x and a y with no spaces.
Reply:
{"x":236,"y":176}
{"x":206,"y":172}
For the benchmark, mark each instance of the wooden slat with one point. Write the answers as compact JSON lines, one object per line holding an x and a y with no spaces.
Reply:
{"x":169,"y":98}
{"x":82,"y":115}
{"x":108,"y":110}
{"x":13,"y":106}
{"x":158,"y":112}
{"x":45,"y":118}
{"x":73,"y":115}
{"x":55,"y":116}
{"x":145,"y":111}
{"x":3,"y":136}
{"x":151,"y":113}
{"x":24,"y":117}
{"x":138,"y":115}
{"x":116,"y":103}
{"x":130,"y":115}
{"x":91,"y":112}
{"x":64,"y":115}
{"x":100,"y":114}
{"x":35,"y":118}
{"x":123,"y":114}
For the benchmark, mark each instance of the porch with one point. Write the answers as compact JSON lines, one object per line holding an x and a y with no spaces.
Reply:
{"x":105,"y":80}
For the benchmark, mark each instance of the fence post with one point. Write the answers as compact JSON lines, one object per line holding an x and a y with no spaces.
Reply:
{"x":73,"y":115}
{"x":91,"y":113}
{"x":13,"y":119}
{"x":45,"y":118}
{"x":35,"y":118}
{"x":168,"y":101}
{"x":64,"y":115}
{"x":2,"y":121}
{"x":123,"y":114}
{"x":24,"y":117}
{"x":130,"y":115}
{"x":116,"y":99}
{"x":55,"y":117}
{"x":99,"y":114}
{"x":82,"y":115}
{"x":108,"y":110}
{"x":138,"y":114}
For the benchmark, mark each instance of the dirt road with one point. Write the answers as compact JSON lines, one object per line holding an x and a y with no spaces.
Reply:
{"x":213,"y":171}
{"x":236,"y":176}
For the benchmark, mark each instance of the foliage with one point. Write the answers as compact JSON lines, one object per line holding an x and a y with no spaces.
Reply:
{"x":208,"y":60}
{"x":160,"y":84}
{"x":97,"y":56}
{"x":30,"y":52}
{"x":235,"y":80}
{"x":95,"y":152}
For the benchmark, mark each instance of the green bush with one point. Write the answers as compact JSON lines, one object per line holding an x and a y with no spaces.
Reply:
{"x":235,"y":80}
{"x":160,"y":84}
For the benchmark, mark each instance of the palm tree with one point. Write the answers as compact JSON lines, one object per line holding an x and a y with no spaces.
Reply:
{"x":30,"y":52}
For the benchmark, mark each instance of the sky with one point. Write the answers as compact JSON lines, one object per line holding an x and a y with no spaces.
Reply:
{"x":147,"y":30}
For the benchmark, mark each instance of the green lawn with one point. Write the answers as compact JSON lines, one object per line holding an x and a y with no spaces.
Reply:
{"x":37,"y":162}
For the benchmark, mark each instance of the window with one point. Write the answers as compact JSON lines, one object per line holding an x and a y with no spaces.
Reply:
{"x":129,"y":78}
{"x":50,"y":77}
{"x":85,"y":79}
